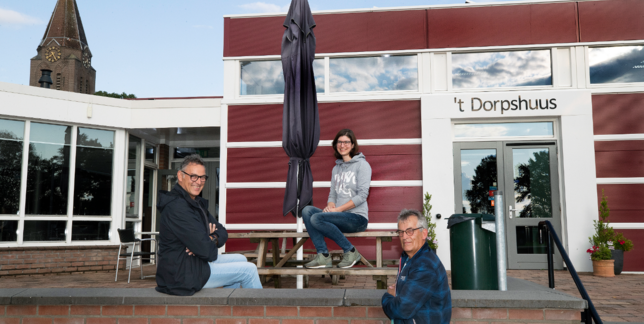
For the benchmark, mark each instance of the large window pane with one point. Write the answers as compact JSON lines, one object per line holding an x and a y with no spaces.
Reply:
{"x":90,"y":231}
{"x":478,"y":174}
{"x":93,"y":180}
{"x":616,"y":64}
{"x":44,"y":231}
{"x":132,"y":181}
{"x":501,"y":69}
{"x":8,"y":231}
{"x":267,"y":77}
{"x":11,"y":144}
{"x":48,"y":170}
{"x":504,"y":129}
{"x":378,"y":73}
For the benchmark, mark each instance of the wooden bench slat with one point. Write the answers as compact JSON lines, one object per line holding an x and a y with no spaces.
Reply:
{"x":305,"y":234}
{"x":329,"y":271}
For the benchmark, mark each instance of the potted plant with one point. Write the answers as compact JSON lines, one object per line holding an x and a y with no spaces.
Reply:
{"x":431,"y":227}
{"x":617,"y":243}
{"x":603,"y":266}
{"x":620,"y":245}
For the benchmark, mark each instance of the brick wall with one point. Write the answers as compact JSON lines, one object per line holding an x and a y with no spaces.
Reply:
{"x":57,"y":259}
{"x":193,"y":314}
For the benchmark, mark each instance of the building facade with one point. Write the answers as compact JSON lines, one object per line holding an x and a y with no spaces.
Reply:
{"x":541,"y":100}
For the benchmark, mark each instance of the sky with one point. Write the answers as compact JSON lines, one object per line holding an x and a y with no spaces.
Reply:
{"x":159,"y":48}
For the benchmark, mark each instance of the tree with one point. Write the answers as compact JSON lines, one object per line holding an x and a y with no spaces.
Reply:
{"x":485,"y":176}
{"x":115,"y":95}
{"x":533,"y":184}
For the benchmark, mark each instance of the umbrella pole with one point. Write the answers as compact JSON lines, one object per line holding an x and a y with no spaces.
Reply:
{"x":300,"y":251}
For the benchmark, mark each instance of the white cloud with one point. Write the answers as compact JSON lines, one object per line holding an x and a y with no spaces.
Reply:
{"x":10,"y":17}
{"x":263,"y":7}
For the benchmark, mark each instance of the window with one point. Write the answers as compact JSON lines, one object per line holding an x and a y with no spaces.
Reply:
{"x":501,"y":69}
{"x":87,"y":86}
{"x":619,"y":64}
{"x":80,"y":85}
{"x":204,"y":152}
{"x":11,"y":146}
{"x":90,"y":231}
{"x":267,"y":77}
{"x":45,"y":231}
{"x":378,"y":73}
{"x":48,"y":169}
{"x":543,"y":129}
{"x":58,"y":85}
{"x":93,"y":179}
{"x":150,"y":153}
{"x":8,"y":230}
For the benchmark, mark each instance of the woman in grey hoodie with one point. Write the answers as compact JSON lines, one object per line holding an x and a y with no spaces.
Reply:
{"x":346,"y":210}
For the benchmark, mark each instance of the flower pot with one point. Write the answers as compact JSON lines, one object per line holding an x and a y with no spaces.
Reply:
{"x":604,"y":268}
{"x":618,"y":256}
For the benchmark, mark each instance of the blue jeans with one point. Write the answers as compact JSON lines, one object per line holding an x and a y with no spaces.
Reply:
{"x":320,"y":225}
{"x":233,"y":271}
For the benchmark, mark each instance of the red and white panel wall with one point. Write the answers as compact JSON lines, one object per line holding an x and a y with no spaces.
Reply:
{"x":389,"y":135}
{"x":619,"y":158}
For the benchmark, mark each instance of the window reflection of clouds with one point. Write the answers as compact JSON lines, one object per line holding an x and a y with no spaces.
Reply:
{"x":47,"y":140}
{"x":373,"y":73}
{"x":501,"y":69}
{"x":616,"y":64}
{"x":267,"y":77}
{"x":504,"y":129}
{"x":96,"y":138}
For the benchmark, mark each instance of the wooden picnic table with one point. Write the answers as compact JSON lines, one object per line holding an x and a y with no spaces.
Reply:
{"x":378,"y":272}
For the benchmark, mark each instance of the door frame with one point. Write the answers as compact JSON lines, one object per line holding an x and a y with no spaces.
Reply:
{"x":505,"y":184}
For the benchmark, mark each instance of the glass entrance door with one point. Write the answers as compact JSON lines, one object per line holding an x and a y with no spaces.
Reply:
{"x":531,"y":196}
{"x":527,"y":174}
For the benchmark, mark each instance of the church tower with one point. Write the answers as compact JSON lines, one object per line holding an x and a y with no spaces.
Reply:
{"x":64,"y":51}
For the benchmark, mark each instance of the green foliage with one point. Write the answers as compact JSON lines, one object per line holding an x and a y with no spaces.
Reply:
{"x":622,"y":243}
{"x":601,"y":253}
{"x":605,"y":236}
{"x":431,"y":227}
{"x":603,"y":232}
{"x":115,"y":95}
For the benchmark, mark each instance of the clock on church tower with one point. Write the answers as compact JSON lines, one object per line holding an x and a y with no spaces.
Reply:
{"x":65,"y":52}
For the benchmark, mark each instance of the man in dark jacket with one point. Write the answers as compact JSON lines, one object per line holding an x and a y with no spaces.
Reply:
{"x":421,"y":293}
{"x":190,"y":237}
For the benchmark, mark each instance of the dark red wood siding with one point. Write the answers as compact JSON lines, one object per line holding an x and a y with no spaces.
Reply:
{"x":611,"y":20}
{"x":368,"y":120}
{"x":618,"y":113}
{"x":264,"y":206}
{"x":388,"y":162}
{"x":366,"y":246}
{"x":624,"y":201}
{"x":634,"y":259}
{"x":502,"y":25}
{"x":619,"y":159}
{"x":334,"y":33}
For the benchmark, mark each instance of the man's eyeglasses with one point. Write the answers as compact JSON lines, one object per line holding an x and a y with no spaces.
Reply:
{"x":194,"y":177}
{"x":409,"y":231}
{"x":344,"y":143}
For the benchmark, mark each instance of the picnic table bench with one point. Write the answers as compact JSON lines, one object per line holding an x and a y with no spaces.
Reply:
{"x":279,"y":260}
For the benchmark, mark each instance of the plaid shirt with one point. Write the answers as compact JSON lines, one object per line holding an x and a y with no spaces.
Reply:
{"x":422,"y":292}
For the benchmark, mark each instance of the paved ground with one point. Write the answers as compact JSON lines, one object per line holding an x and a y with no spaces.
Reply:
{"x":618,"y":299}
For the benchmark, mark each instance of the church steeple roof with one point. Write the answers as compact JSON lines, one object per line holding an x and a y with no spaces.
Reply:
{"x":65,"y":27}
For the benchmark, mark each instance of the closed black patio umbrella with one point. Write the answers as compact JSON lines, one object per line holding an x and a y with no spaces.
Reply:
{"x":301,"y":123}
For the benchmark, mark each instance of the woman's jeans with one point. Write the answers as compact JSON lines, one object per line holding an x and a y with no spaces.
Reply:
{"x":233,"y":271}
{"x":320,"y":225}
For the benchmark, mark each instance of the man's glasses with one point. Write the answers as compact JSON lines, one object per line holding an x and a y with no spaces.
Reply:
{"x":409,"y":231}
{"x":194,"y":177}
{"x":344,"y":143}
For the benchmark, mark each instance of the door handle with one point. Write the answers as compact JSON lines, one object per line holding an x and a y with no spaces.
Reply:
{"x":510,"y":210}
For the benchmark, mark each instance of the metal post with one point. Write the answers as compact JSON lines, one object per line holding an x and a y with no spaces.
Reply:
{"x":501,"y":257}
{"x":551,"y":267}
{"x":300,"y":229}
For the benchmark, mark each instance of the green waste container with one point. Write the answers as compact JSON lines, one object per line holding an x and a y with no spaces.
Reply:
{"x":473,"y":252}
